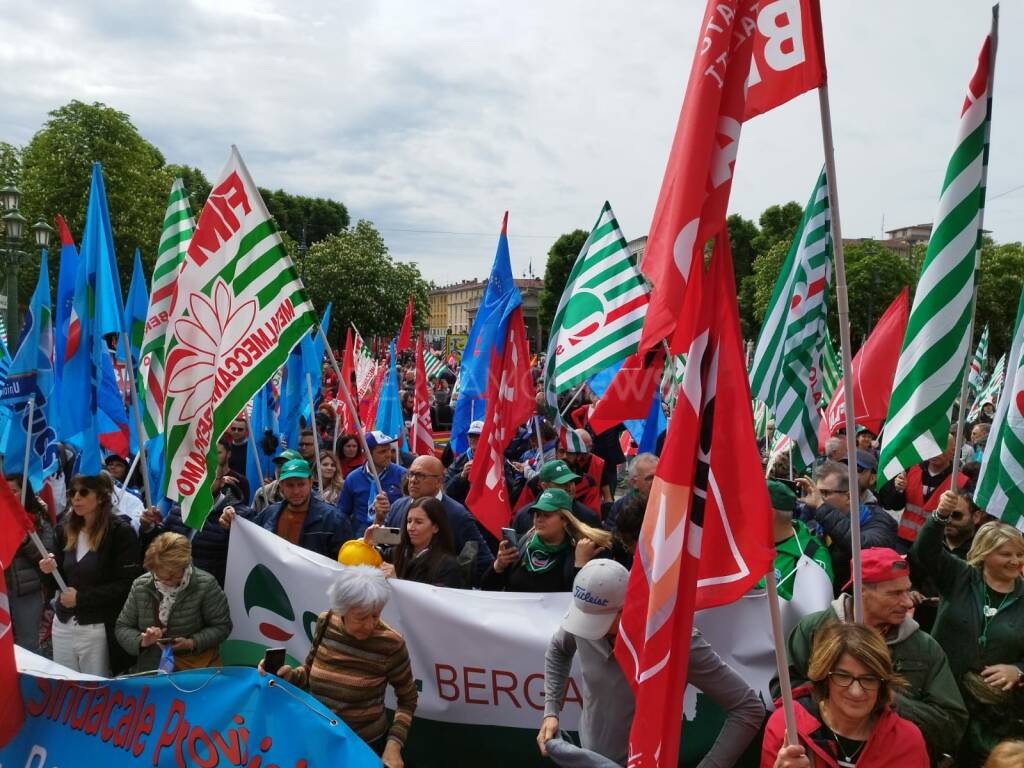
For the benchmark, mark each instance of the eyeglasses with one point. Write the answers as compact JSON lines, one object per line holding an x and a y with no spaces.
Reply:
{"x":421,"y":476}
{"x":845,"y":680}
{"x":238,"y":429}
{"x":83,"y":492}
{"x":830,"y":491}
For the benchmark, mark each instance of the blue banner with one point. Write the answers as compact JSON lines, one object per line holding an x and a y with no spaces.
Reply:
{"x":210,"y":717}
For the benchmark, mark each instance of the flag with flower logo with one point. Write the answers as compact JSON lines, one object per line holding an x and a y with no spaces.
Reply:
{"x":239,"y":307}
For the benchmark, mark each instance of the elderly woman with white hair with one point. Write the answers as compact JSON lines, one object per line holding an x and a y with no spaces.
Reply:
{"x":353,"y":658}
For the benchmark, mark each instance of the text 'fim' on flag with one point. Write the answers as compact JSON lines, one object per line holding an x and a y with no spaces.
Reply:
{"x":237,"y":311}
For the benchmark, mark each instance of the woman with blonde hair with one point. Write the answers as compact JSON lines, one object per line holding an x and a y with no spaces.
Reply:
{"x":174,"y":604}
{"x":980,"y":624}
{"x":844,"y":716}
{"x":98,"y":562}
{"x":330,"y":473}
{"x":550,"y":554}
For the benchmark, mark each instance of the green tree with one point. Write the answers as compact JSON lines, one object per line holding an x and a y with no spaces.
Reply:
{"x":56,"y":169}
{"x":320,"y":217}
{"x":196,"y":184}
{"x":741,"y":240}
{"x":10,"y":163}
{"x":353,"y":270}
{"x":874,"y":277}
{"x":1000,"y":281}
{"x":561,"y":258}
{"x":778,"y":223}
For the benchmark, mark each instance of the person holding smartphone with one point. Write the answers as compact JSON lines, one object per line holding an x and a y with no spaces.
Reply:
{"x":425,"y":550}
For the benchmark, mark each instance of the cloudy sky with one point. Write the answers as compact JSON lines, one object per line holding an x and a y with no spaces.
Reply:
{"x":431,"y":119}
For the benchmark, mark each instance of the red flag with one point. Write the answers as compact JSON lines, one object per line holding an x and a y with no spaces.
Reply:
{"x":422,"y":437}
{"x":404,"y":340}
{"x":873,"y":369}
{"x":12,"y":709}
{"x":369,"y":415}
{"x":348,"y":360}
{"x":15,"y":522}
{"x":788,"y":57}
{"x":630,"y":393}
{"x":707,"y":536}
{"x":510,"y":402}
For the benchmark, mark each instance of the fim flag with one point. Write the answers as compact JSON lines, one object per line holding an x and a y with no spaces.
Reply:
{"x":790,"y":346}
{"x":238,"y":309}
{"x":601,"y":312}
{"x":1000,"y":489}
{"x":936,"y":345}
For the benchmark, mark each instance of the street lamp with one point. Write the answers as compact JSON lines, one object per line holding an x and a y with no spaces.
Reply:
{"x":14,"y":227}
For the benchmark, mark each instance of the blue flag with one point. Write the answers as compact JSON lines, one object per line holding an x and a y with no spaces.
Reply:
{"x":485,"y":342}
{"x":389,"y":408}
{"x":62,"y":314}
{"x":135,"y":309}
{"x":30,"y":380}
{"x":306,"y":358}
{"x":644,"y":431}
{"x":95,"y":416}
{"x":263,"y":420}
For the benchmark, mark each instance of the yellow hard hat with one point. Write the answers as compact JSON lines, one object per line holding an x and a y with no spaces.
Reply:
{"x":358,"y":552}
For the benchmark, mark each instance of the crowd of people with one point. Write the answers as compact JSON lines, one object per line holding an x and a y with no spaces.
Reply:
{"x":933,"y":674}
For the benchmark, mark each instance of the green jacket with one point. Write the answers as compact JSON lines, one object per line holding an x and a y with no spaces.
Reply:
{"x":200,"y":613}
{"x":789,"y":552}
{"x":959,"y":626}
{"x":932,"y":701}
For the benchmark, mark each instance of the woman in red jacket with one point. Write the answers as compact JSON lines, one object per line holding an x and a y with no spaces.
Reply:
{"x":843,"y":717}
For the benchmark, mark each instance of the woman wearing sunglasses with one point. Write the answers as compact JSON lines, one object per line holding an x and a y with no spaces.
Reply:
{"x":98,"y":560}
{"x":843,"y":716}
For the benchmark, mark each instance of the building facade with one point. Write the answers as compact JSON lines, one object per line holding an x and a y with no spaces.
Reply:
{"x":453,"y":309}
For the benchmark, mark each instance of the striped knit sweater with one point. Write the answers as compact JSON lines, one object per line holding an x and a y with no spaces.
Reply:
{"x":349,"y":677}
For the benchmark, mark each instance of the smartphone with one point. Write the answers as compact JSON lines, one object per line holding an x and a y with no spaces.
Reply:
{"x":793,"y":485}
{"x":387,"y":536}
{"x":510,"y":535}
{"x":166,"y":640}
{"x":273,"y":660}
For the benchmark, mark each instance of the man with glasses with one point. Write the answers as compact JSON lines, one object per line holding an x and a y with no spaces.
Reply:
{"x":639,"y":479}
{"x":307,"y":446}
{"x":932,"y":701}
{"x":826,"y":501}
{"x":426,"y":478}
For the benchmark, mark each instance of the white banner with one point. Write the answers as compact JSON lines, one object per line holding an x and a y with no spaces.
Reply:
{"x":478,"y":656}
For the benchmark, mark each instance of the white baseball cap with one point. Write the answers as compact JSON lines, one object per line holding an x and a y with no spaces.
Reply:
{"x":475,"y":428}
{"x":598,"y":594}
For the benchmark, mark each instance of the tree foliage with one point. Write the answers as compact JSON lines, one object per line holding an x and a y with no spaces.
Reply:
{"x":1000,"y":281}
{"x":196,"y":184}
{"x":353,"y":270}
{"x":741,"y":240}
{"x":561,"y":258}
{"x":319,"y":216}
{"x":10,"y":163}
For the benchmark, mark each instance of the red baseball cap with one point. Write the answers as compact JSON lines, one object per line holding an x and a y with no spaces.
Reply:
{"x":880,"y":564}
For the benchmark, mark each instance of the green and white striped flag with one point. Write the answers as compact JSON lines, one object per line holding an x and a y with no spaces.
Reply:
{"x":601,"y":312}
{"x":976,"y":378}
{"x":174,"y":240}
{"x":432,"y":364}
{"x":937,"y":341}
{"x":990,"y":392}
{"x":672,"y":379}
{"x":237,"y":311}
{"x":789,"y":349}
{"x":1000,"y":489}
{"x":831,"y":370}
{"x":760,"y":419}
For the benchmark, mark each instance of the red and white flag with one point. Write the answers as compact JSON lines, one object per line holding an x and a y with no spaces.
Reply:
{"x":12,"y":709}
{"x":873,"y":369}
{"x":707,"y":535}
{"x":510,"y":402}
{"x":422,"y":437}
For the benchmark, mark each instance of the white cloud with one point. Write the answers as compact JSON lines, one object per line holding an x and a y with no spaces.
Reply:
{"x":440,"y":116}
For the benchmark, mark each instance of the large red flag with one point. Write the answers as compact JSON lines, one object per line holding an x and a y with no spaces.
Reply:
{"x":348,"y":360}
{"x":15,"y":522}
{"x":404,"y":340}
{"x":510,"y":402}
{"x":368,"y":405}
{"x":707,"y":535}
{"x":12,"y":709}
{"x":422,"y":437}
{"x":788,"y":57}
{"x":873,"y":369}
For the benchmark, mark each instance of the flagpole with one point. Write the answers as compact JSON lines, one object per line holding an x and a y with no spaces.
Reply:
{"x":136,"y":414}
{"x":961,"y":417}
{"x":540,"y":441}
{"x":781,"y":660}
{"x":568,"y":405}
{"x":843,"y":303}
{"x":360,"y":434}
{"x":316,"y":436}
{"x":255,"y":450}
{"x":24,"y":489}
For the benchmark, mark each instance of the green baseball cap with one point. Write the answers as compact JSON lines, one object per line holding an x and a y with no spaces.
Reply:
{"x":557,"y":472}
{"x":782,"y":496}
{"x":552,"y":500}
{"x":286,"y":456}
{"x":296,"y":468}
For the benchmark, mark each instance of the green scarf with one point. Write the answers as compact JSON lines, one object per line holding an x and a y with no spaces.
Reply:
{"x":540,"y":557}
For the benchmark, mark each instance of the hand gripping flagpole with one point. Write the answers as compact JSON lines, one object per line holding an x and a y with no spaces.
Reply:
{"x":962,"y":414}
{"x":343,"y":388}
{"x":312,"y":422}
{"x":24,"y":489}
{"x":137,"y":416}
{"x":843,"y":303}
